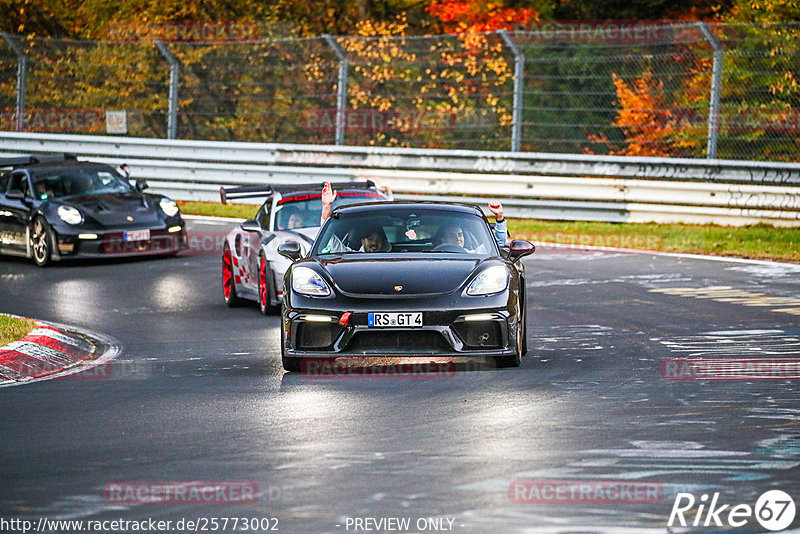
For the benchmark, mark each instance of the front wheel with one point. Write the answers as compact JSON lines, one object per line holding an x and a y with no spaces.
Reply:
{"x":228,"y":280}
{"x":289,"y":364}
{"x":524,"y":309}
{"x":263,"y":288}
{"x":41,"y":242}
{"x":514,"y":360}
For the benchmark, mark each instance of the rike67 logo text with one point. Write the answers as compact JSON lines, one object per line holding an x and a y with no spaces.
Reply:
{"x":774,"y":510}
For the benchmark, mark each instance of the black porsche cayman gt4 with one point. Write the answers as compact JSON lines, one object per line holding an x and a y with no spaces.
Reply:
{"x":405,"y":279}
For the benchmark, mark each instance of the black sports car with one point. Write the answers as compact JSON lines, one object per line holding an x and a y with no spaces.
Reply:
{"x":405,"y":279}
{"x":55,"y":207}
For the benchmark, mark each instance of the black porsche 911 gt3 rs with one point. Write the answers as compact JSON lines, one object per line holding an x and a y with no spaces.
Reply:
{"x":55,"y":207}
{"x":419,"y":294}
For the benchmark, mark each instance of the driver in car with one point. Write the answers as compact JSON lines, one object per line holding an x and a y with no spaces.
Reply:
{"x":374,"y":240}
{"x":291,"y":217}
{"x":454,"y":235}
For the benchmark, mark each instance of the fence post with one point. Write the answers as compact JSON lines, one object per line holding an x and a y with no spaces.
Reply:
{"x":519,"y":80}
{"x":716,"y":87}
{"x":341,"y":88}
{"x":22,"y":78}
{"x":174,"y":81}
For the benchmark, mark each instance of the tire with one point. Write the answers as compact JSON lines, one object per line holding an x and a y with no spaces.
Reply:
{"x":514,"y":360}
{"x":524,"y":308}
{"x":228,"y":281}
{"x":263,"y":288}
{"x":41,"y":242}
{"x":525,"y":340}
{"x":291,"y":365}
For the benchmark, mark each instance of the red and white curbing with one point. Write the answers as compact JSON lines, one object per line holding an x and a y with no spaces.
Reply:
{"x":51,"y":351}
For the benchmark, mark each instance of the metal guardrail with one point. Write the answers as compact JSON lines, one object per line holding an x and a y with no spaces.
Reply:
{"x":546,"y":186}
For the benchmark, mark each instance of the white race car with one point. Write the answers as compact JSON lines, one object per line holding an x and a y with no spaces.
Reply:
{"x":252,"y":269}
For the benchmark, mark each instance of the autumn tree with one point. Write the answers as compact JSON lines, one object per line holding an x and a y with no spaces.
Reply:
{"x":759,"y":101}
{"x":473,"y":16}
{"x":761,"y":86}
{"x":646,"y":117}
{"x":459,"y":82}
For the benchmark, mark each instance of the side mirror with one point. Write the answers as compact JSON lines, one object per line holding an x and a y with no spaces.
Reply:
{"x":518,"y":248}
{"x":250,"y":225}
{"x":141,"y":185}
{"x":15,"y":194}
{"x":290,"y":250}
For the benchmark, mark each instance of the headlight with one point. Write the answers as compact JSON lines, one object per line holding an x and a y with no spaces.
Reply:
{"x":168,"y":207}
{"x":69,"y":215}
{"x":306,"y":282}
{"x":491,"y":280}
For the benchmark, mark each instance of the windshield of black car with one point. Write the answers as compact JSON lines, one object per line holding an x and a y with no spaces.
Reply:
{"x":304,"y":210}
{"x":72,"y":182}
{"x":407,"y":231}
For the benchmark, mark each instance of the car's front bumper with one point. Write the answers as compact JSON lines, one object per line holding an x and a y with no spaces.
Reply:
{"x":111,"y":243}
{"x":456,"y":327}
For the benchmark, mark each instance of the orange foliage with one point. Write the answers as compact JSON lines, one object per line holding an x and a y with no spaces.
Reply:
{"x":645,"y":117}
{"x":463,"y":16}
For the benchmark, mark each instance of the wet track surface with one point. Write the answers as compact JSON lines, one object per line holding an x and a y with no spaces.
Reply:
{"x":198,"y":394}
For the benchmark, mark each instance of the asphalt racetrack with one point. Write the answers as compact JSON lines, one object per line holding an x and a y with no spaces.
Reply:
{"x":604,"y":399}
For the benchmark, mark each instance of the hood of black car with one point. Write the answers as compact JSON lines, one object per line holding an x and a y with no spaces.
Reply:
{"x":399,"y":276}
{"x":118,"y":209}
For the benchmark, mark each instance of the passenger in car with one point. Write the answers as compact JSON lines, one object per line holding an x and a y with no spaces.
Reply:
{"x":500,"y":227}
{"x":455,"y":235}
{"x":374,"y":239}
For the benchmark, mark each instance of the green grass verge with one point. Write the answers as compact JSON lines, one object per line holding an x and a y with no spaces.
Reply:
{"x":759,"y":241}
{"x":216,"y":209}
{"x":12,"y":329}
